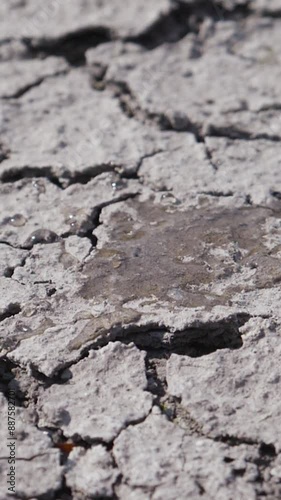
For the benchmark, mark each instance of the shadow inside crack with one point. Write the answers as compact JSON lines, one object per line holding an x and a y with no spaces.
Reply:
{"x":185,"y":18}
{"x":194,"y":342}
{"x":72,"y":46}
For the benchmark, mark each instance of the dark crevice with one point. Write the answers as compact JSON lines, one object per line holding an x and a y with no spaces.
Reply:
{"x":274,"y":14}
{"x":209,"y":157}
{"x":14,"y":175}
{"x":185,"y":18}
{"x":71,"y":46}
{"x":264,"y":461}
{"x":90,"y":173}
{"x":218,"y":194}
{"x":194,"y":341}
{"x":64,"y":180}
{"x":135,"y":175}
{"x":2,"y":242}
{"x":64,"y":493}
{"x":86,"y":229}
{"x":156,"y":340}
{"x":248,"y":200}
{"x":93,"y":221}
{"x":12,"y":310}
{"x":9,"y":372}
{"x":276,"y":194}
{"x":169,"y":28}
{"x":64,"y":444}
{"x":178,"y":123}
{"x":235,"y":440}
{"x":132,"y":109}
{"x":9,"y":271}
{"x":234,"y":133}
{"x":267,"y":451}
{"x":169,"y":405}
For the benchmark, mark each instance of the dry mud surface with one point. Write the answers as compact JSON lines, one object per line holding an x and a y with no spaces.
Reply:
{"x":140,"y":249}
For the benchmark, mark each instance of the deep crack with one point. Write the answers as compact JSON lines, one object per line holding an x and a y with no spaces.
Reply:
{"x":71,"y":46}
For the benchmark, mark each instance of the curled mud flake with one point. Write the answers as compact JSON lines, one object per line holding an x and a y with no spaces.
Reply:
{"x":104,"y":324}
{"x":44,"y":236}
{"x":17,"y":220}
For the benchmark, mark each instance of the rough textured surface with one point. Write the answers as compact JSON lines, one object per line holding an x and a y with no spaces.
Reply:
{"x":245,"y":404}
{"x":34,"y":455}
{"x":140,"y":233}
{"x":99,"y":402}
{"x":20,"y":76}
{"x":166,"y":457}
{"x":63,"y":128}
{"x":91,"y":472}
{"x":226,"y":77}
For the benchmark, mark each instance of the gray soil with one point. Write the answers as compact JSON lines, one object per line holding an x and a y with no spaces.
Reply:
{"x":140,"y":249}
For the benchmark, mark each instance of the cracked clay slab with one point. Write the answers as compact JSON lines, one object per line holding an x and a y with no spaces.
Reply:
{"x":156,"y":266}
{"x":37,"y":211}
{"x":19,"y":76}
{"x":35,"y":456}
{"x":104,"y":393}
{"x":234,"y":392}
{"x":169,"y":464}
{"x":63,"y":128}
{"x":224,"y":78}
{"x":91,"y":472}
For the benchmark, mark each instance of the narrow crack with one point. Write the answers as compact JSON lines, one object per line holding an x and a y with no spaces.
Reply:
{"x":235,"y":133}
{"x":26,"y":88}
{"x":65,"y":179}
{"x":135,"y":174}
{"x":132,"y":109}
{"x":210,"y":157}
{"x":93,"y":221}
{"x":172,"y":408}
{"x":218,"y":194}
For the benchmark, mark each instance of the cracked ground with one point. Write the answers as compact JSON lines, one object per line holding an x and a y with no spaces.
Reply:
{"x":140,"y":249}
